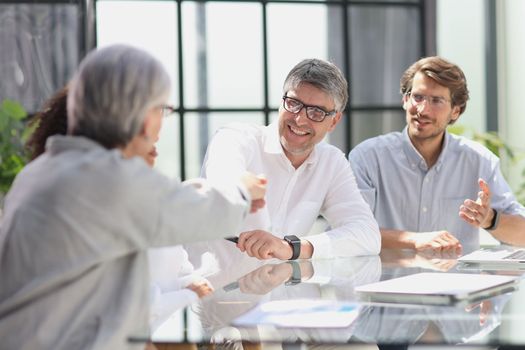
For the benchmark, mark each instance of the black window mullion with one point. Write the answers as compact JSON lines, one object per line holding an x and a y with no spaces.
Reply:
{"x":347,"y":65}
{"x":344,"y":5}
{"x":265,"y":63}
{"x":182,"y":148}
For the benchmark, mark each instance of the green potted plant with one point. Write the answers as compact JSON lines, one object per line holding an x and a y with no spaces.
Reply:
{"x":13,"y":133}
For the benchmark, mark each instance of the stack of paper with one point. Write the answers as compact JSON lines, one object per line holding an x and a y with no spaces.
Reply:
{"x":300,"y":313}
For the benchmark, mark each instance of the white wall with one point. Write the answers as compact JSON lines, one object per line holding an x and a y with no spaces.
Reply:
{"x":511,"y":75}
{"x":460,"y":39}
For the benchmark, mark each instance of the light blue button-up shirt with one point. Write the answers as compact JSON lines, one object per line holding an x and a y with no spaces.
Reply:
{"x":404,"y":194}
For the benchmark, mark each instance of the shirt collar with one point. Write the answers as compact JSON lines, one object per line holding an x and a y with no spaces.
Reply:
{"x":272,"y":144}
{"x":416,"y":159}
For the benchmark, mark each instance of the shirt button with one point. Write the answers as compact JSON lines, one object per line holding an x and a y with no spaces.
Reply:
{"x":424,"y":209}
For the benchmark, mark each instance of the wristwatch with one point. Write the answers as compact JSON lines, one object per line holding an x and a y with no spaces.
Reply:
{"x":295,"y":243}
{"x":495,"y":221}
{"x":296,"y":274}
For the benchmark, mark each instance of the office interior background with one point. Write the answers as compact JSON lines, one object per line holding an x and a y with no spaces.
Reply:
{"x":228,"y":59}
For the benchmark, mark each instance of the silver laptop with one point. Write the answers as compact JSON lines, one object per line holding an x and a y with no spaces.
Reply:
{"x":495,"y":258}
{"x":437,"y":288}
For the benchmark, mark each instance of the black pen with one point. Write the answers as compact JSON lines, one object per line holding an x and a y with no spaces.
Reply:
{"x":233,"y":239}
{"x":231,"y":286}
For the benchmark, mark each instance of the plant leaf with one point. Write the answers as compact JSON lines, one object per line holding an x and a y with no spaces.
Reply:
{"x":14,"y":109}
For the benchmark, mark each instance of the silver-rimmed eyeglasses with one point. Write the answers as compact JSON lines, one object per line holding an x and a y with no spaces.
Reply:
{"x":434,"y":102}
{"x":314,"y":113}
{"x":167,"y":110}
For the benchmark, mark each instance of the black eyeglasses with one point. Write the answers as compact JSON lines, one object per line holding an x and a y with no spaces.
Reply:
{"x":167,"y":110}
{"x":314,"y":113}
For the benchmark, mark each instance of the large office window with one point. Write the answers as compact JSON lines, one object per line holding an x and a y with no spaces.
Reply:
{"x":227,"y":59}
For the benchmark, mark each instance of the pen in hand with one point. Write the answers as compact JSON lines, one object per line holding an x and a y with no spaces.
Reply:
{"x":233,"y":239}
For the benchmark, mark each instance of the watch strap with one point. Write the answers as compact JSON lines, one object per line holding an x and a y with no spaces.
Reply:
{"x":295,"y":243}
{"x":495,"y":221}
{"x":296,"y":274}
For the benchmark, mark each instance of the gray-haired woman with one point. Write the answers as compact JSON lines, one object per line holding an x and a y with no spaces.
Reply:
{"x":78,"y":219}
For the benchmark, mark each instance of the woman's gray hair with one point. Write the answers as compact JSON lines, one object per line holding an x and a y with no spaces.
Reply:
{"x":112,"y":92}
{"x":323,"y":75}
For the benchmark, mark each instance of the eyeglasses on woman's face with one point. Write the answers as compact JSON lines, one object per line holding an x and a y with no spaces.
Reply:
{"x":167,"y":110}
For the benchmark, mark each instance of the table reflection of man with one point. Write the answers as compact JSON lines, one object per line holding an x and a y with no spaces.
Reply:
{"x":393,"y":327}
{"x":393,"y":259}
{"x":318,"y":279}
{"x":429,"y":325}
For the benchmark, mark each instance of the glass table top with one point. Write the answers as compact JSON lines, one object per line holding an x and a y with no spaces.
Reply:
{"x":241,"y":283}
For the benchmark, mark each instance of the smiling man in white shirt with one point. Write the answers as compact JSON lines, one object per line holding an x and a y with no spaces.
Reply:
{"x":306,"y":177}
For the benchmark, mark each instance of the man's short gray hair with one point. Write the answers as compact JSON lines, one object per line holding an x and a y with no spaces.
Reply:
{"x":323,"y":75}
{"x":111,"y":93}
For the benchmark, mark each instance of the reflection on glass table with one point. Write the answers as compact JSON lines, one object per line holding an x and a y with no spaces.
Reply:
{"x":242,"y":283}
{"x":436,"y":325}
{"x":318,"y":280}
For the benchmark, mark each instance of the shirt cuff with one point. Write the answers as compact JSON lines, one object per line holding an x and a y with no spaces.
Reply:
{"x":322,"y":245}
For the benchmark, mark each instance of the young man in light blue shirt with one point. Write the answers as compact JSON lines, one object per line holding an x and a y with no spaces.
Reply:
{"x":428,"y":189}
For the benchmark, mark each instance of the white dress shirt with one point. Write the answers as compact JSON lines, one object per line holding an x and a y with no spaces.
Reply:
{"x":323,"y":185}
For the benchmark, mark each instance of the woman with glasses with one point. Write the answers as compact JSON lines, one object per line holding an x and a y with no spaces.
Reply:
{"x":173,"y":282}
{"x":79,"y":219}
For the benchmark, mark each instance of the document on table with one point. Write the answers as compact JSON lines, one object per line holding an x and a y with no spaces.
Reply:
{"x":437,"y":288}
{"x":301,"y":313}
{"x":494,"y":258}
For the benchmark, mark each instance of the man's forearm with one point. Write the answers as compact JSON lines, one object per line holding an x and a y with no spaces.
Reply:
{"x":510,"y":230}
{"x":396,"y":239}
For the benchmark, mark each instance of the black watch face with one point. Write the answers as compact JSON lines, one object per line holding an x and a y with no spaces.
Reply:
{"x":292,"y":239}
